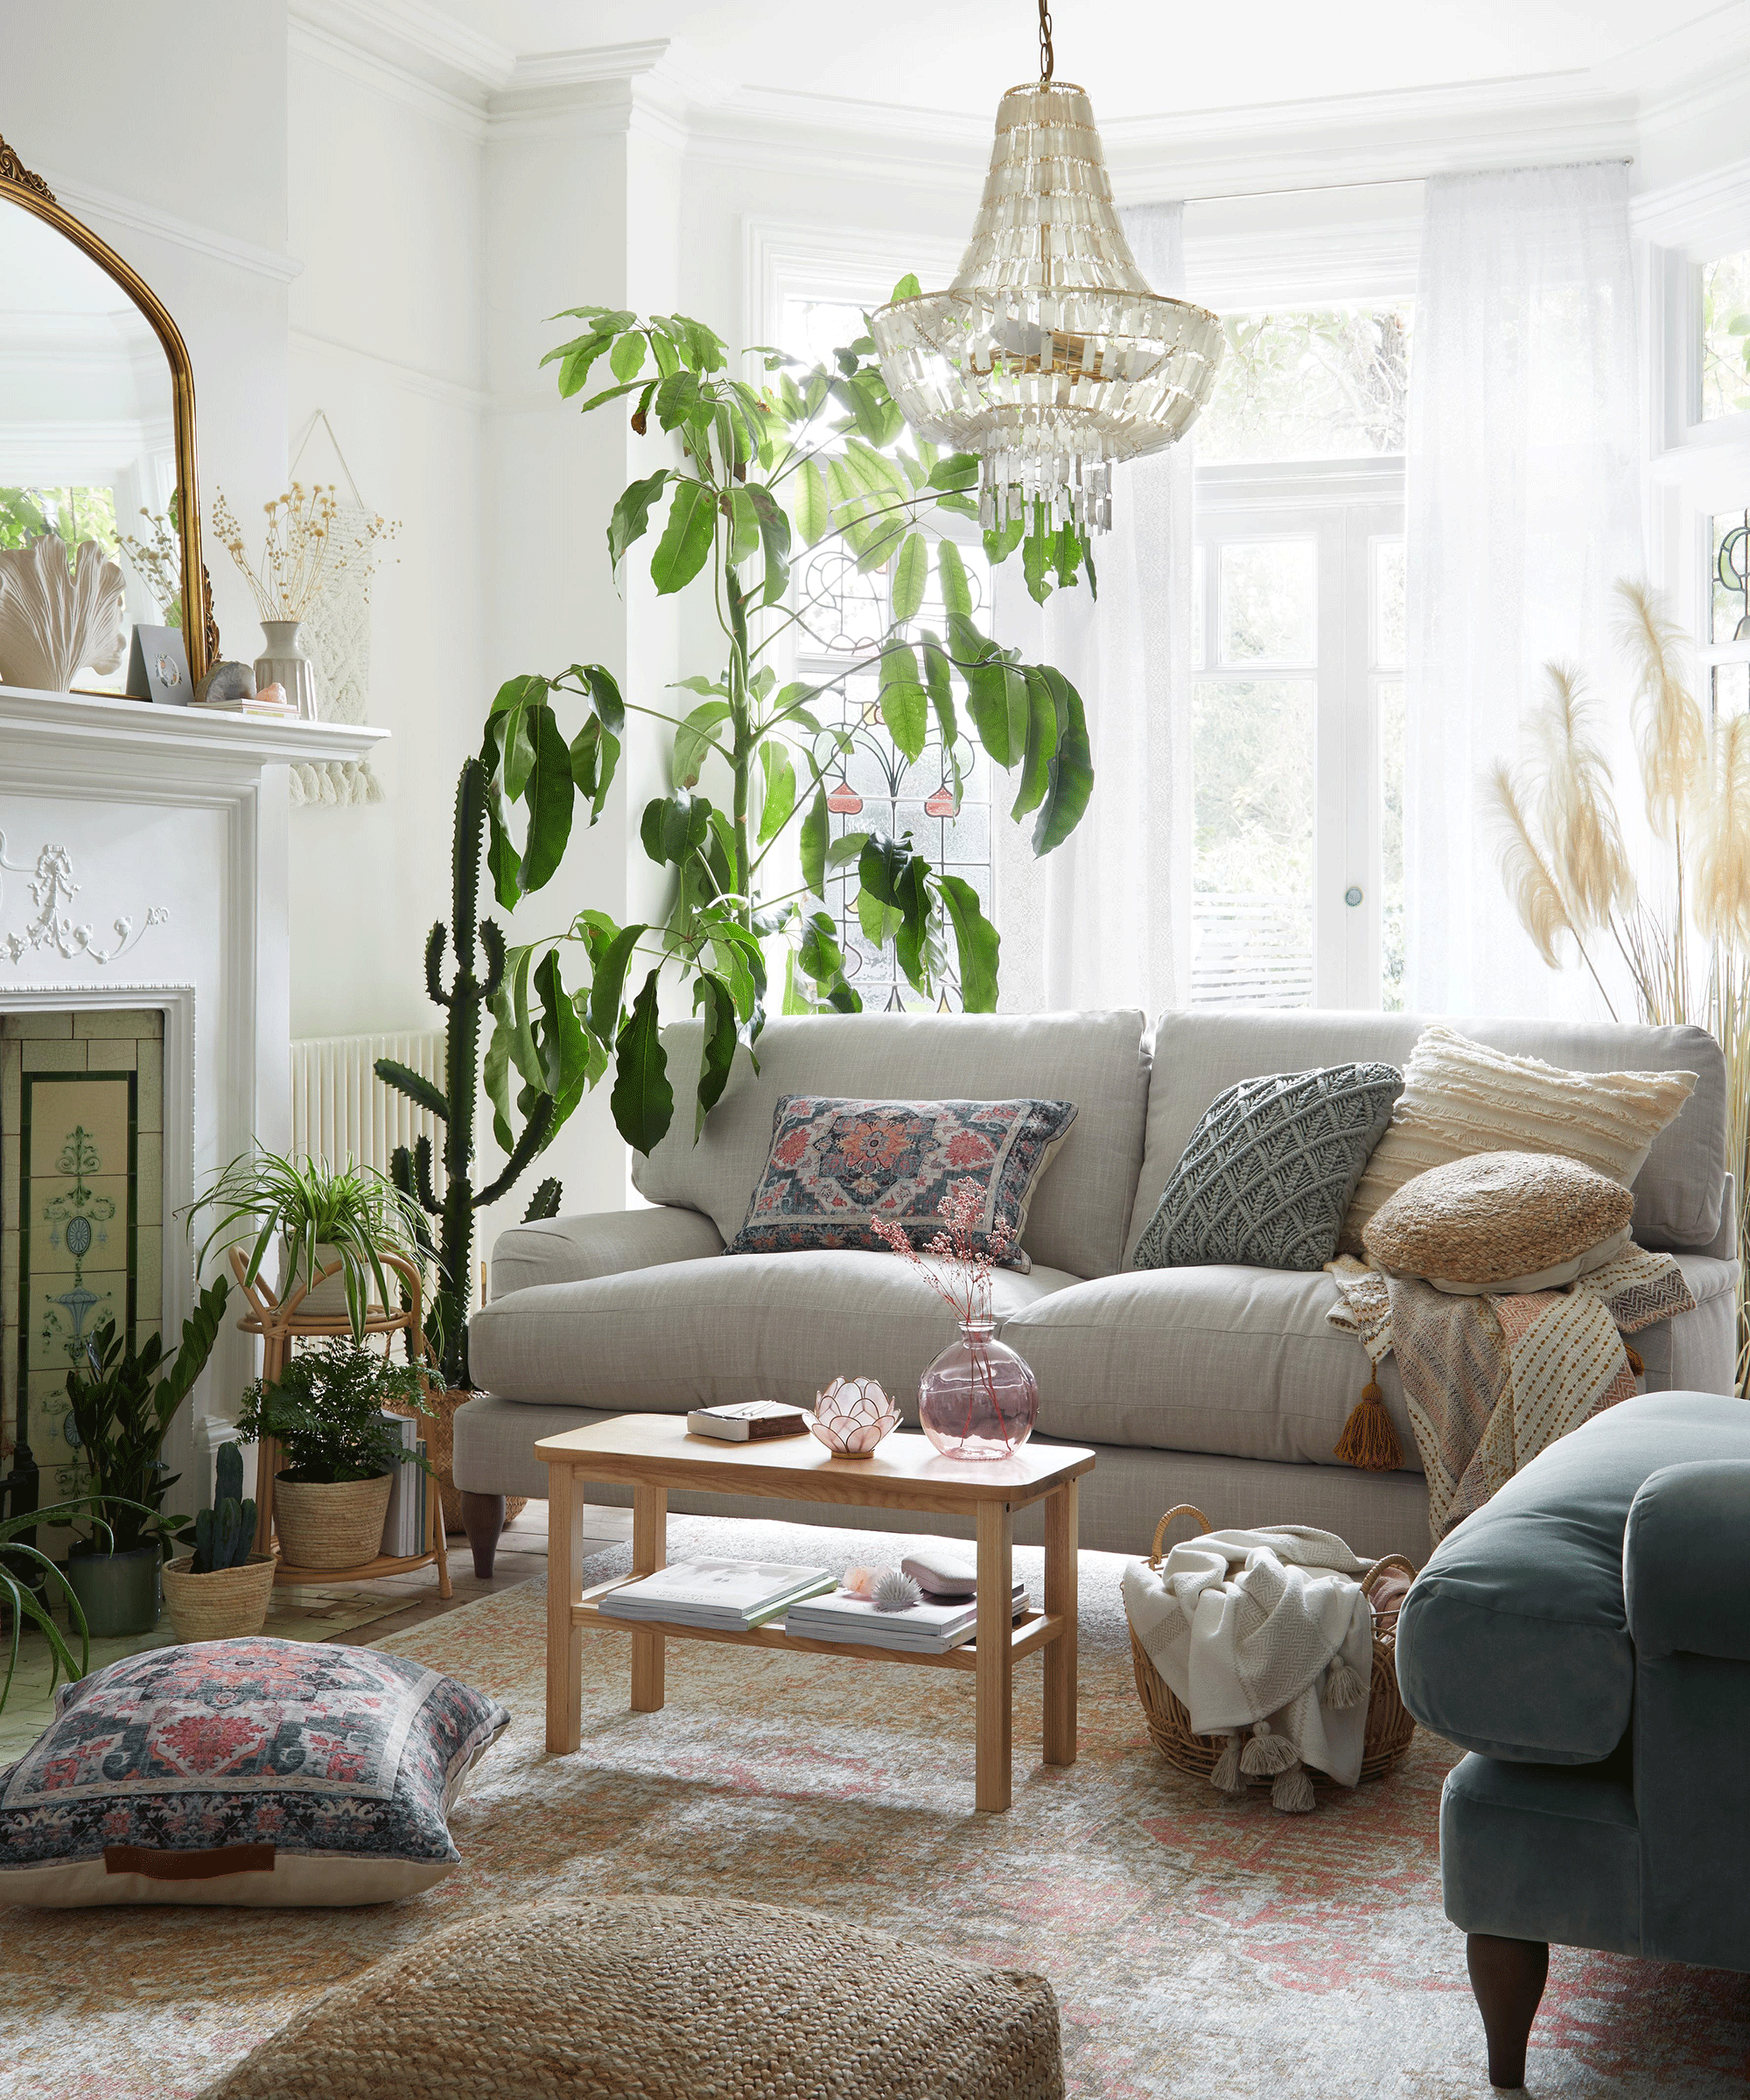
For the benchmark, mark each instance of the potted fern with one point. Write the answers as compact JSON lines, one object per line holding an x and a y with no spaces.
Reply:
{"x":220,"y":1591}
{"x":325,"y":1410}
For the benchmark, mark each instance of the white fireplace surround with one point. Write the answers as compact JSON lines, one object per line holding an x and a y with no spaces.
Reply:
{"x":144,"y":864}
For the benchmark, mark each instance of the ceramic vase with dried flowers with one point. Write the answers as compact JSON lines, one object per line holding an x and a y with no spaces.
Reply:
{"x":978,"y":1400}
{"x":1567,"y":870}
{"x":302,"y":556}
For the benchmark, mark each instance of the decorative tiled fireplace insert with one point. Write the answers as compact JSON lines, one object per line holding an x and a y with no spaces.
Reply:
{"x":82,"y":1222}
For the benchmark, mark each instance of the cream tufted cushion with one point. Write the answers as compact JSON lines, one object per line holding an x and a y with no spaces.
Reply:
{"x":1461,"y":1098}
{"x":1501,"y":1221}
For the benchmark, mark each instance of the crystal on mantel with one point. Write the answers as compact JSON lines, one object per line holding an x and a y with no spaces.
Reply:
{"x":1048,"y":355}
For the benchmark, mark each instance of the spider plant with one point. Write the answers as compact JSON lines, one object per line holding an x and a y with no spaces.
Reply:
{"x":22,"y":1564}
{"x":349,"y":1213}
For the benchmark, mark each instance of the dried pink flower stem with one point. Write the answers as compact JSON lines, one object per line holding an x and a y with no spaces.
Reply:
{"x":968,"y":1255}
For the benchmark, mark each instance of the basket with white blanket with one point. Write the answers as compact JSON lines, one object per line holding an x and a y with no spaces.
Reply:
{"x":1284,"y":1642}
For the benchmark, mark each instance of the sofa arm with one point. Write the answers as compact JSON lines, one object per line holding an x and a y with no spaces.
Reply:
{"x":1686,"y":1562}
{"x":607,"y":1243}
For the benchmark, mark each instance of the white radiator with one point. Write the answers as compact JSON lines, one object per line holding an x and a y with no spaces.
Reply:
{"x":339,"y":1108}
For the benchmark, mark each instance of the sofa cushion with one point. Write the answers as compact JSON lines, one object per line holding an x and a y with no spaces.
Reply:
{"x":1460,"y":1098}
{"x":1515,"y":1640}
{"x":1097,"y":1061}
{"x":836,"y":1168}
{"x":763,"y":1326}
{"x":1679,"y":1192}
{"x":1269,"y":1172}
{"x":1242,"y":1362}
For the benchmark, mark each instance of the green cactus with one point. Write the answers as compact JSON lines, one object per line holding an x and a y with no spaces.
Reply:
{"x":470,"y":994}
{"x":225,"y":1535}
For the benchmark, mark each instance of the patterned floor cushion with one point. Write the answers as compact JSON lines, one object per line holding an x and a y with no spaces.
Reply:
{"x":258,"y":1772}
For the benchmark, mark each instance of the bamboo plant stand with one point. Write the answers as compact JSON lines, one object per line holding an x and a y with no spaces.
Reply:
{"x":280,"y":1322}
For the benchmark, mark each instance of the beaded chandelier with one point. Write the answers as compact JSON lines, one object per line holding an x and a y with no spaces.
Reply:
{"x":1048,"y":356}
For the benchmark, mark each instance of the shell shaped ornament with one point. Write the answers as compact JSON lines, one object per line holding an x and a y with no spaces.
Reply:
{"x":851,"y":1417}
{"x":57,"y":615}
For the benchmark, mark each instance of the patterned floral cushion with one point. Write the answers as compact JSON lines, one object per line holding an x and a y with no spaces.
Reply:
{"x":257,"y":1772}
{"x":835,"y":1166}
{"x":1267,"y":1175}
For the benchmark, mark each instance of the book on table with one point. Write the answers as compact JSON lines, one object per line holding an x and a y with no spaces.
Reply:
{"x":729,"y":1594}
{"x":927,"y":1628}
{"x":745,"y":1421}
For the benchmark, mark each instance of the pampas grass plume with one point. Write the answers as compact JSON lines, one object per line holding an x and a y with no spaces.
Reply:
{"x":1536,"y":894}
{"x":1584,"y":842}
{"x":1668,"y":724}
{"x":1722,"y":890}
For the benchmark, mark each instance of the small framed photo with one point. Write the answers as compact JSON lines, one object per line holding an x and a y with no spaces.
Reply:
{"x":158,"y":667}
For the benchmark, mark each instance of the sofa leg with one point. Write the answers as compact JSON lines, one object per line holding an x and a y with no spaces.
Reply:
{"x":1508,"y":1979}
{"x":483,"y":1519}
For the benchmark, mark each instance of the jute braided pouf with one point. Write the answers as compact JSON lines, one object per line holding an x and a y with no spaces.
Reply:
{"x":1502,"y":1221}
{"x":662,"y":1999}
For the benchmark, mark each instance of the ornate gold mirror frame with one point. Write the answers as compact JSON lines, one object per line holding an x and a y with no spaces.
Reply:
{"x":200,"y":631}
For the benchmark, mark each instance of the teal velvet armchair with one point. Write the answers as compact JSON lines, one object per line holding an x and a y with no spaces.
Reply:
{"x":1586,"y":1636}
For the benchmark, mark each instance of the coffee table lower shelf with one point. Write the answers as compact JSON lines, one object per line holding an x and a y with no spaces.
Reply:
{"x":1032,"y":1631}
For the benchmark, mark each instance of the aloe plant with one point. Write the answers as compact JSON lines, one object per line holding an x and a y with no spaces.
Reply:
{"x":822,"y":455}
{"x":544,"y":1103}
{"x":225,"y":1535}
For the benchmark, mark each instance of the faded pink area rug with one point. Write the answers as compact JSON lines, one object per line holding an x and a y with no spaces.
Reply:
{"x":1198,"y":1946}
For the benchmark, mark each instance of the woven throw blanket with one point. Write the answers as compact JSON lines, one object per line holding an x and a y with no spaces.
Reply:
{"x":1266,"y":1631}
{"x":1491,"y":1381}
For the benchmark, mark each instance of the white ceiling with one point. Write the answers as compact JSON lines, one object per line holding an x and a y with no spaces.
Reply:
{"x":1137,"y":58}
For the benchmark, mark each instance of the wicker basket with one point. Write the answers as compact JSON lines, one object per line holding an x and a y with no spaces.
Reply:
{"x":226,"y":1604}
{"x":331,"y":1524}
{"x":1390,"y":1726}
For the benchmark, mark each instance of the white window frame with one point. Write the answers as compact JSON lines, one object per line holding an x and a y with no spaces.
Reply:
{"x":1345,"y":506}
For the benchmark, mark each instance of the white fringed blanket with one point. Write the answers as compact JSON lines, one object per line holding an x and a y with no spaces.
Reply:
{"x":1266,"y":1631}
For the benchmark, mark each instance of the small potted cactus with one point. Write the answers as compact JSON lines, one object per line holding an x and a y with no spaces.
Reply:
{"x":220,"y":1592}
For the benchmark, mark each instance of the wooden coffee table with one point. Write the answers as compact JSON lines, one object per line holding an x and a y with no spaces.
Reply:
{"x":654,"y":1453}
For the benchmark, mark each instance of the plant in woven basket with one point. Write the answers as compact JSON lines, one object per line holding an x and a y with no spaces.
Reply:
{"x":326,"y":1412}
{"x":225,"y":1535}
{"x":1687,"y":950}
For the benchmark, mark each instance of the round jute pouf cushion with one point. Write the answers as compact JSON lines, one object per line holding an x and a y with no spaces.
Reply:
{"x":1502,"y":1221}
{"x":665,"y":1999}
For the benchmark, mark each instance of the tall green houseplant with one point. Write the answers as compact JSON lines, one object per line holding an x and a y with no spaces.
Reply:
{"x":822,"y":455}
{"x":545,"y":1105}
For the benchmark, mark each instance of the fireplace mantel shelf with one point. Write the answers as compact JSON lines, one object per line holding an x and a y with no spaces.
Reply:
{"x":194,"y":737}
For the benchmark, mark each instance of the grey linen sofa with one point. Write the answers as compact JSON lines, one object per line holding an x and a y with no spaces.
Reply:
{"x":1221,"y":1386}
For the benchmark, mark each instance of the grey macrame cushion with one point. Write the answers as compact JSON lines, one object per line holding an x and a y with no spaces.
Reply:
{"x":1268,"y":1173}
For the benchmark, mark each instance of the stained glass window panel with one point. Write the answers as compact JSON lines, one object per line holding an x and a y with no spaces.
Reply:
{"x":1729,"y":542}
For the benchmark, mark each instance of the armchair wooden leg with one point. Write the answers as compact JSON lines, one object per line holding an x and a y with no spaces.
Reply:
{"x":1508,"y":1979}
{"x":483,"y":1519}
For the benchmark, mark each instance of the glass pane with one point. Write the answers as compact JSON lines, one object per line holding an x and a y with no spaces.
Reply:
{"x":815,"y":328}
{"x":1269,"y":601}
{"x":1725,"y":336}
{"x":1731,"y":689}
{"x":1729,"y":556}
{"x":1389,"y":698}
{"x":1199,"y":625}
{"x":1252,"y":906}
{"x":1328,"y":384}
{"x":1388,"y":604}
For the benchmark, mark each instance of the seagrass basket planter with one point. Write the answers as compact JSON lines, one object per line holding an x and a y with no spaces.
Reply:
{"x":1389,"y":1725}
{"x":225,"y":1604}
{"x":330,"y":1523}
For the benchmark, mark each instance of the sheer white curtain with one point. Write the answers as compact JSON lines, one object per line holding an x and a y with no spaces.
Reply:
{"x":1105,"y":920}
{"x":1523,"y":509}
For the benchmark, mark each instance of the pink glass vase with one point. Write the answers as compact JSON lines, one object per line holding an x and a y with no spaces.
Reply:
{"x":977,"y":1400}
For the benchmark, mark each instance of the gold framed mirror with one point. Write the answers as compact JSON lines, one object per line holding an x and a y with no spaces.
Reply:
{"x":96,"y":443}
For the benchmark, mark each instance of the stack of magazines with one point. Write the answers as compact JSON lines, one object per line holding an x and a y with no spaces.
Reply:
{"x":730,"y":1595}
{"x":928,"y":1629}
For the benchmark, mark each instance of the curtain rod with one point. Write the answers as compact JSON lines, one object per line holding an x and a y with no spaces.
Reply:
{"x":1397,"y":182}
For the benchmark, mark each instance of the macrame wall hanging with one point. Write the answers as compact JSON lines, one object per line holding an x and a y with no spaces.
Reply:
{"x":337,"y":635}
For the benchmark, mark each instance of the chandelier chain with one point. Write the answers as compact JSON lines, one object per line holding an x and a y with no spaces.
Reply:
{"x":1046,"y":59}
